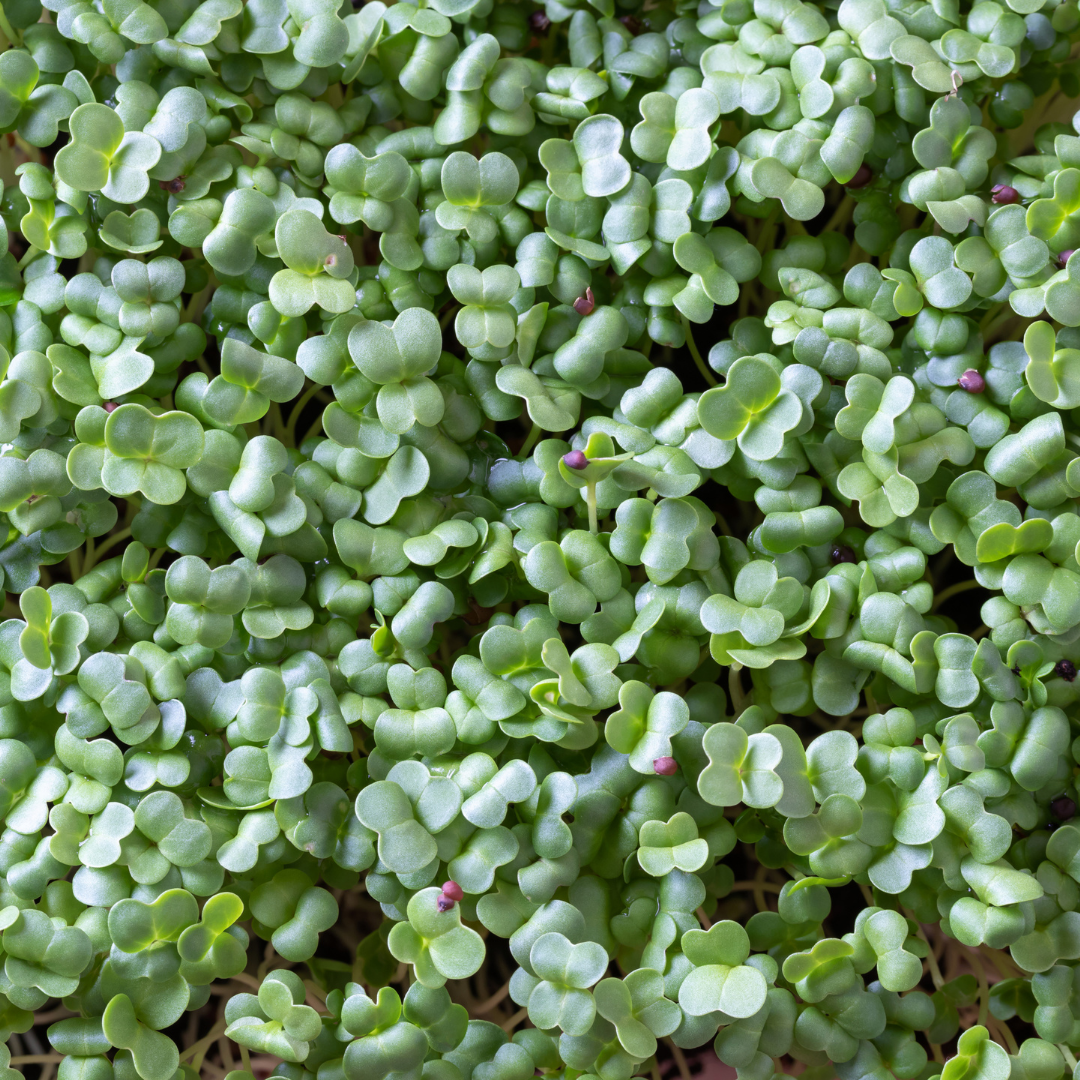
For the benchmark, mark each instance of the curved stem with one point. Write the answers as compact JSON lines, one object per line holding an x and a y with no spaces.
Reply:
{"x":88,"y":556}
{"x":680,"y":1060}
{"x":768,"y":228}
{"x":297,"y":409}
{"x":530,"y":441}
{"x":13,"y":35}
{"x":984,"y":987}
{"x":547,"y":50}
{"x":93,"y":554}
{"x":491,"y":1002}
{"x":991,"y":314}
{"x":199,"y":1048}
{"x":953,"y":590}
{"x":274,"y":423}
{"x":706,"y":374}
{"x":197,"y":304}
{"x":931,"y":962}
{"x":931,"y":959}
{"x":1003,"y":1029}
{"x":735,"y":689}
{"x":509,"y":1025}
{"x":312,"y":429}
{"x":750,"y":886}
{"x":993,"y":327}
{"x":943,"y":560}
{"x":759,"y":888}
{"x":1007,"y":968}
{"x":844,"y":209}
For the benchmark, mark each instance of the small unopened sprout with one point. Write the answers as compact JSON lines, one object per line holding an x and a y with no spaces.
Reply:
{"x":584,"y":305}
{"x":174,"y":186}
{"x":539,"y":22}
{"x":1063,"y":258}
{"x":1004,"y":195}
{"x":665,"y":766}
{"x":576,"y":459}
{"x":972,"y":382}
{"x":863,"y":176}
{"x":841,"y":554}
{"x":1063,"y":808}
{"x":451,"y":894}
{"x":110,"y":406}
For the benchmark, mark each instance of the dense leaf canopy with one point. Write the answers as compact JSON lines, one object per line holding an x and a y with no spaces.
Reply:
{"x":578,"y":498}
